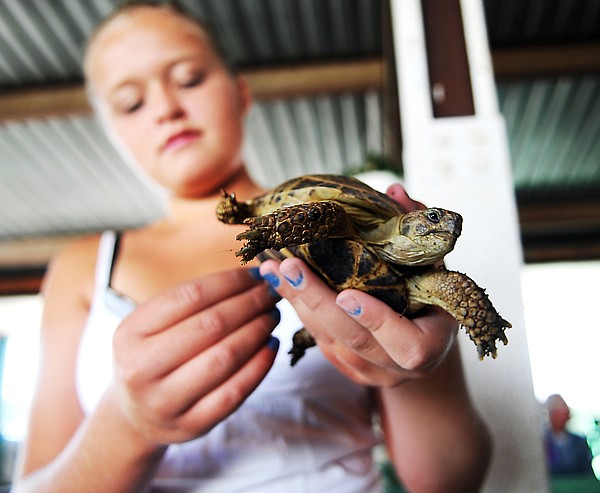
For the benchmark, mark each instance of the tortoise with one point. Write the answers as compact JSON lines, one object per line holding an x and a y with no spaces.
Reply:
{"x":353,"y":236}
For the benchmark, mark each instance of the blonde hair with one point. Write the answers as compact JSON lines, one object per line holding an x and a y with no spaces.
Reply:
{"x":171,"y":6}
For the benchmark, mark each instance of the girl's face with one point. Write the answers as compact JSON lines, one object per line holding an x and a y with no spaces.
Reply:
{"x":169,"y":99}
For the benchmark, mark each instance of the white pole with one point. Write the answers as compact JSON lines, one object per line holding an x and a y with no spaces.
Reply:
{"x":463,"y":163}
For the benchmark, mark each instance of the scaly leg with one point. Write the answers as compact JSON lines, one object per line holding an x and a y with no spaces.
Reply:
{"x":293,"y":225}
{"x":230,"y":211}
{"x":465,"y":301}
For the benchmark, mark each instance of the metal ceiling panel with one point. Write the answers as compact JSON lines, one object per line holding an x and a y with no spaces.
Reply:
{"x":41,"y":41}
{"x":324,"y":134}
{"x":512,"y":22}
{"x":61,"y":175}
{"x":554,"y":135}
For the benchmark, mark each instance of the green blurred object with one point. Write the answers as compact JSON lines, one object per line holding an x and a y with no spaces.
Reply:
{"x":575,"y":484}
{"x":375,"y":162}
{"x":567,"y":484}
{"x":390,"y":479}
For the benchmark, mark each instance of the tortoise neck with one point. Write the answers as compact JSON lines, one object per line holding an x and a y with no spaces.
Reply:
{"x":383,"y":231}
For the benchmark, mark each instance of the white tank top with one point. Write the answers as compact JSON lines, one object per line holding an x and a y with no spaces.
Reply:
{"x":305,"y":429}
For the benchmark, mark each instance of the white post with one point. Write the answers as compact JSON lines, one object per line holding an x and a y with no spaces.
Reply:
{"x":462,"y":163}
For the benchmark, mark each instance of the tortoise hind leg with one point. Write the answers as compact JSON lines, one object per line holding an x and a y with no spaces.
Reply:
{"x":462,"y":298}
{"x":301,"y":341}
{"x":293,"y":225}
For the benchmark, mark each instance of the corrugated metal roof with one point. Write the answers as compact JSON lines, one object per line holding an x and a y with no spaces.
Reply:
{"x":61,"y":175}
{"x":554,"y":135}
{"x":41,"y":41}
{"x":517,"y":22}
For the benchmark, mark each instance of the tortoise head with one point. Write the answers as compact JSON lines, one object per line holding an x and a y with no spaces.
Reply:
{"x":421,"y":237}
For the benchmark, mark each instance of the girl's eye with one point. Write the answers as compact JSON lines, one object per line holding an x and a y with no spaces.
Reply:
{"x":186,"y":74}
{"x":132,"y":107}
{"x":190,"y":80}
{"x":127,"y":101}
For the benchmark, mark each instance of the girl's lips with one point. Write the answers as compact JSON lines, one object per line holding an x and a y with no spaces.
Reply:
{"x":181,"y":139}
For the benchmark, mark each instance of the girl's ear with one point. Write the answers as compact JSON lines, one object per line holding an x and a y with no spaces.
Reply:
{"x":245,"y":95}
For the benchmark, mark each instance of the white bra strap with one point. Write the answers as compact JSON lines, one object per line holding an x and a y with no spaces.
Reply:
{"x":105,"y":261}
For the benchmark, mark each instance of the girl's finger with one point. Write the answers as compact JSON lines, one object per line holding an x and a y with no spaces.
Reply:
{"x":412,"y":346}
{"x":178,"y":303}
{"x":167,"y":349}
{"x":204,"y":373}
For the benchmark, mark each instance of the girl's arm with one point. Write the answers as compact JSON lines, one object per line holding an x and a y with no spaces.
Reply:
{"x":217,"y":326}
{"x":436,"y":439}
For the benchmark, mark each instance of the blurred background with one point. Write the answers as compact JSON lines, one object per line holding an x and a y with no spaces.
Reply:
{"x":322,"y":75}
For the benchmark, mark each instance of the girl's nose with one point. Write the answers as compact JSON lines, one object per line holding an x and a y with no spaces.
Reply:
{"x":166,"y":105}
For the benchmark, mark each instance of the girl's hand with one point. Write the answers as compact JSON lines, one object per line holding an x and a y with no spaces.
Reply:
{"x":190,"y":356}
{"x":360,"y":335}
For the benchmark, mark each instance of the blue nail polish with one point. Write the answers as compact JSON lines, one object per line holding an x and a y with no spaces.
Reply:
{"x":356,"y":311}
{"x":293,"y":275}
{"x":273,"y":343}
{"x":297,"y":281}
{"x":350,"y":306}
{"x":272,"y":279}
{"x":276,"y":314}
{"x":255,"y":273}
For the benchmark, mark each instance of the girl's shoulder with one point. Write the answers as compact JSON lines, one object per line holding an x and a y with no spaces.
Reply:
{"x":74,"y":265}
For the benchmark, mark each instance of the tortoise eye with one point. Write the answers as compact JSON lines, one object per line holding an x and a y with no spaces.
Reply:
{"x":433,"y":216}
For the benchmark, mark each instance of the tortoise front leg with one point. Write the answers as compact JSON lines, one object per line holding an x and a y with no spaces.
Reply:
{"x":230,"y":211}
{"x":462,"y":298}
{"x":293,"y":225}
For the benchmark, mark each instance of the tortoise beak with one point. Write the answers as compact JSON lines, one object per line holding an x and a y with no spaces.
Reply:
{"x":456,"y":224}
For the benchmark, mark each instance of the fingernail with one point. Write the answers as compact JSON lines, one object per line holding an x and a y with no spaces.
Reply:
{"x":273,"y":343}
{"x":272,"y":279}
{"x":350,"y":305}
{"x":275,"y":314}
{"x":255,"y":273}
{"x":273,"y":282}
{"x":293,"y":276}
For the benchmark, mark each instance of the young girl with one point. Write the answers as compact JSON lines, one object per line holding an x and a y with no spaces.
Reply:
{"x":158,"y":368}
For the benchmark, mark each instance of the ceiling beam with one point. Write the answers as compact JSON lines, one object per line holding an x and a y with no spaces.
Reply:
{"x":42,"y":102}
{"x":21,"y":282}
{"x":322,"y":78}
{"x":560,"y":230}
{"x":511,"y":63}
{"x":315,"y":78}
{"x":269,"y":83}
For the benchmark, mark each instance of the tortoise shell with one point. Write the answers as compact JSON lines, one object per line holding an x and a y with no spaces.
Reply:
{"x":367,"y":206}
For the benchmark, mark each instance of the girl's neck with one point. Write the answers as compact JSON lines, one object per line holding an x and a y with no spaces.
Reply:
{"x":184,"y":209}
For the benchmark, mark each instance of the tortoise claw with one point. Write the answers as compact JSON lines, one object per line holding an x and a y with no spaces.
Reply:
{"x":259,"y":237}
